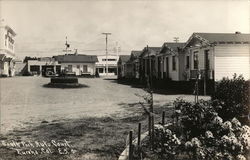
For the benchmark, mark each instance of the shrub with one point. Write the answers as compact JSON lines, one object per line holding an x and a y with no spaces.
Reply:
{"x":231,"y":97}
{"x":193,"y":116}
{"x":200,"y":133}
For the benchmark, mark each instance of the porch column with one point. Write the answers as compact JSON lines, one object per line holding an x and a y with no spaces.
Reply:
{"x":162,"y":67}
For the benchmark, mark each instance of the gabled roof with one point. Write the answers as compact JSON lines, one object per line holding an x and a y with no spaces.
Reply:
{"x":211,"y":38}
{"x":150,"y":51}
{"x":225,"y":37}
{"x":134,"y":56}
{"x":76,"y":58}
{"x":136,"y":53}
{"x":124,"y":58}
{"x":172,"y":46}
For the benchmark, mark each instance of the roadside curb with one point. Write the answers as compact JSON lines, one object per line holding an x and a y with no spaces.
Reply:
{"x":124,"y":154}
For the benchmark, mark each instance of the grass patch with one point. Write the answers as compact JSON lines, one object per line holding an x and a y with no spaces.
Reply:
{"x":93,"y":138}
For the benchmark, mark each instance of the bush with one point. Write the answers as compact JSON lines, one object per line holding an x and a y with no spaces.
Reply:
{"x":232,"y":98}
{"x":199,"y":133}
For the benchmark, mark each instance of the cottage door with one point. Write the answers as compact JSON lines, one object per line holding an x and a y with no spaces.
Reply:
{"x":159,"y":67}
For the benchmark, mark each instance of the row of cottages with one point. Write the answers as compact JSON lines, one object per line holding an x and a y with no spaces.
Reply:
{"x":209,"y":56}
{"x":164,"y":62}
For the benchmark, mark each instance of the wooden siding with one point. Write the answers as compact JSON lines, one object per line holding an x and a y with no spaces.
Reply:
{"x":173,"y":74}
{"x":230,"y":59}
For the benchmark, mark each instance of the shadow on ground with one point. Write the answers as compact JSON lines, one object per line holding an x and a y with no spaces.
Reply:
{"x":156,"y":88}
{"x":65,"y":85}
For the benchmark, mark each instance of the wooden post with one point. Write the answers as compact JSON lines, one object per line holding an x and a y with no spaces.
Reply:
{"x":152,"y":132}
{"x":139,"y":135}
{"x":149,"y":127}
{"x":163,"y":118}
{"x":130,"y":153}
{"x":205,"y":84}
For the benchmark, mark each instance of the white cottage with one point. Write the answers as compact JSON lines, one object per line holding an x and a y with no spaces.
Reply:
{"x":169,"y":61}
{"x":78,"y":64}
{"x":218,"y":55}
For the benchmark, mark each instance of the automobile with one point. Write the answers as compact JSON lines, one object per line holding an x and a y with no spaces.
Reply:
{"x":49,"y":73}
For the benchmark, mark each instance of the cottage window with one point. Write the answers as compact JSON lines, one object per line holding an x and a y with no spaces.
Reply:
{"x":85,"y":68}
{"x":70,"y":68}
{"x":196,"y":60}
{"x":78,"y":66}
{"x":187,"y":62}
{"x":174,"y":63}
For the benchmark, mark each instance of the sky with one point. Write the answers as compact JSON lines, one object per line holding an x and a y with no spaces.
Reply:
{"x":42,"y":26}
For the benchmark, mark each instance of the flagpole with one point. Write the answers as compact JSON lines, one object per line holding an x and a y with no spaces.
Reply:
{"x":66,"y":46}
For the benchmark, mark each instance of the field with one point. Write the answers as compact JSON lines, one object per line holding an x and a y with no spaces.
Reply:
{"x":95,"y":119}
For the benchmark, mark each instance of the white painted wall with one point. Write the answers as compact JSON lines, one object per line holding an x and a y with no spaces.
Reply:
{"x":91,"y":67}
{"x":230,"y":59}
{"x":173,"y":74}
{"x":6,"y":48}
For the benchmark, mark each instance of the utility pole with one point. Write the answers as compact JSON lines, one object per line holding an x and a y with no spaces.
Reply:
{"x":176,"y":39}
{"x":106,"y":34}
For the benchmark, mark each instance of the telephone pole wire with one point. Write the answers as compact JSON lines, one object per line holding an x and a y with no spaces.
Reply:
{"x":106,"y":34}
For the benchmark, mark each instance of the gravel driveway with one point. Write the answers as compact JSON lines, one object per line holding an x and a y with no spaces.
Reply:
{"x":24,"y":100}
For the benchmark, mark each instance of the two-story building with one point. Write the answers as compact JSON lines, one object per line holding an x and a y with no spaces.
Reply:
{"x":109,"y":62}
{"x":7,"y":50}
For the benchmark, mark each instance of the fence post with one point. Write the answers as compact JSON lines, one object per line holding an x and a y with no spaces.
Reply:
{"x":163,"y":118}
{"x":152,"y":132}
{"x":139,"y":141}
{"x":149,"y":127}
{"x":139,"y":135}
{"x":130,"y":152}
